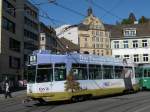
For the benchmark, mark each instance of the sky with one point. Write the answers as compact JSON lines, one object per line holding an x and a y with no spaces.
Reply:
{"x":109,"y":11}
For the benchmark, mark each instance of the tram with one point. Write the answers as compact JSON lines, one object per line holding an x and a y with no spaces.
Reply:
{"x":53,"y":77}
{"x":143,"y":75}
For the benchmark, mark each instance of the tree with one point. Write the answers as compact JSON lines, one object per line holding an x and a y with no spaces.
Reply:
{"x":130,"y":20}
{"x":143,"y":20}
{"x":71,"y":84}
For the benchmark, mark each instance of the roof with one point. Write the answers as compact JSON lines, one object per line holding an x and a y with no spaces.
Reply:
{"x":84,"y":27}
{"x":67,"y":46}
{"x":117,"y":30}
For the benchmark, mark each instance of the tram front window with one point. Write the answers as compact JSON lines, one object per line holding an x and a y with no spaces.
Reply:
{"x":44,"y":73}
{"x":31,"y":74}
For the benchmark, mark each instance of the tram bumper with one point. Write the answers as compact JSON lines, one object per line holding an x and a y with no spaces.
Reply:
{"x":53,"y":96}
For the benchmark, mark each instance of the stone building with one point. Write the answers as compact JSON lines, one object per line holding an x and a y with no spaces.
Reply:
{"x":93,"y":37}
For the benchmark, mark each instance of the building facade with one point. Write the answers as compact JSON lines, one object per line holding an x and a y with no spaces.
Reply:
{"x":131,"y":42}
{"x":93,"y":37}
{"x":19,"y":33}
{"x":48,"y":38}
{"x":90,"y":35}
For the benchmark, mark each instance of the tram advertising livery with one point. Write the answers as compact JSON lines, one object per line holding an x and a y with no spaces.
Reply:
{"x":53,"y":77}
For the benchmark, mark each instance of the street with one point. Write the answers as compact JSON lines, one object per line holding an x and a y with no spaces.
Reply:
{"x":138,"y":102}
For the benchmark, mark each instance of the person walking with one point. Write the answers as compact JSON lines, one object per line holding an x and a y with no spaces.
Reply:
{"x":7,"y":88}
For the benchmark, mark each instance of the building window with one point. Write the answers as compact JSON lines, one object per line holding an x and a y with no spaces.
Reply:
{"x":42,"y":38}
{"x":97,"y":39}
{"x":97,"y":46}
{"x":97,"y":33}
{"x":93,"y":33}
{"x":8,"y":25}
{"x":129,"y":32}
{"x":116,"y":44}
{"x":14,"y":45}
{"x":85,"y":39}
{"x":9,"y":8}
{"x":93,"y":45}
{"x":136,"y":58}
{"x":14,"y":62}
{"x":30,"y":12}
{"x":135,"y":44}
{"x":126,"y":56}
{"x":125,"y":44}
{"x":101,"y":34}
{"x":93,"y":38}
{"x":30,"y":46}
{"x":30,"y":35}
{"x":30,"y":23}
{"x":107,"y":52}
{"x":145,"y":57}
{"x":102,"y":52}
{"x":117,"y":56}
{"x":144,"y":43}
{"x":93,"y":51}
{"x":85,"y":45}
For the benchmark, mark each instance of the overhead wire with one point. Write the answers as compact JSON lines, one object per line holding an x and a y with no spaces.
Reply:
{"x":68,"y":9}
{"x":115,"y":6}
{"x":105,"y":10}
{"x":45,"y":14}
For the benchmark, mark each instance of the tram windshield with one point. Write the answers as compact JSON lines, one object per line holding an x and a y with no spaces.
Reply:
{"x":31,"y":74}
{"x":44,"y":73}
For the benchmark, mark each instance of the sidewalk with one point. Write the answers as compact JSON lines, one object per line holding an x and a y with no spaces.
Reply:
{"x":15,"y":94}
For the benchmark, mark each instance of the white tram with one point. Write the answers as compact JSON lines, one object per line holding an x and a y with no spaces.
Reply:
{"x":54,"y":77}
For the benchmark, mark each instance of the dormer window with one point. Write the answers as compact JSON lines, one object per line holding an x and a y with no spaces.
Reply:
{"x":129,"y":32}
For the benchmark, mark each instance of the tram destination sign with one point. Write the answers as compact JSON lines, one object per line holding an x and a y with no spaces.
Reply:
{"x":32,"y":59}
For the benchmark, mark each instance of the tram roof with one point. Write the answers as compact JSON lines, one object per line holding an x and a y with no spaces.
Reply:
{"x":45,"y":58}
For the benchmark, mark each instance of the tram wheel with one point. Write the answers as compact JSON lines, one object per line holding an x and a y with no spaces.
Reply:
{"x":74,"y":99}
{"x":41,"y":101}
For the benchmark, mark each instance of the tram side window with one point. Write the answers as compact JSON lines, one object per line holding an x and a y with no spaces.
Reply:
{"x":80,"y":71}
{"x":138,"y":72}
{"x":108,"y":72}
{"x":31,"y":73}
{"x":145,"y":72}
{"x":95,"y":72}
{"x":60,"y":72}
{"x":148,"y":73}
{"x":118,"y":72}
{"x":44,"y":73}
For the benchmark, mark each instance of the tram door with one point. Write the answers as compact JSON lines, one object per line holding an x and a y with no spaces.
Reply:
{"x":128,"y":74}
{"x":44,"y":77}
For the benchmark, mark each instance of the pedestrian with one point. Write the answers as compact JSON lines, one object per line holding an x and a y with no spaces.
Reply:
{"x":7,"y":88}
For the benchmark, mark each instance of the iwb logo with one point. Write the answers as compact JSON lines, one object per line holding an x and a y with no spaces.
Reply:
{"x":43,"y":89}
